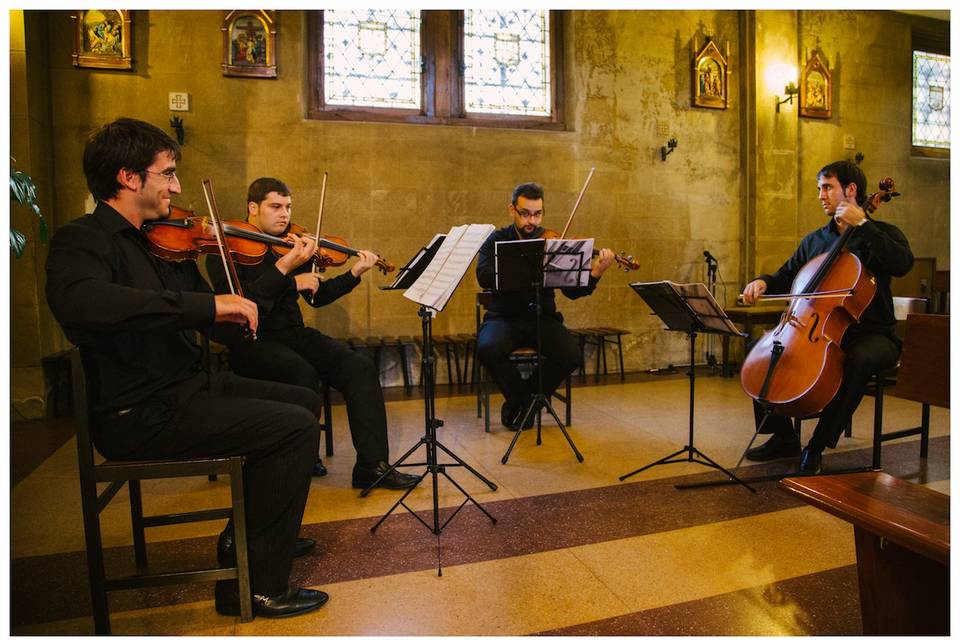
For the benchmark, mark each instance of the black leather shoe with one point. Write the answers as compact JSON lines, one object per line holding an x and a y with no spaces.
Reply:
{"x":811,"y":462}
{"x":227,"y":556}
{"x":292,"y":603}
{"x":318,"y":469}
{"x":363,"y":478}
{"x":778,"y":446}
{"x":528,"y":424}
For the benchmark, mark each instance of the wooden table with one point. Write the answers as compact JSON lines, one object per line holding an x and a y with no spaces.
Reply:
{"x":902,"y":535}
{"x":749,"y":317}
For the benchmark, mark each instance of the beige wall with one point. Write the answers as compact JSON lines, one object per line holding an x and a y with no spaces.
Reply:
{"x":393,"y":186}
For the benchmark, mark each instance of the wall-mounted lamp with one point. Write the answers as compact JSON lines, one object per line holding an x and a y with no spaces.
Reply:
{"x":858,"y":158}
{"x":791,"y":90}
{"x":665,"y":151}
{"x":176,"y":122}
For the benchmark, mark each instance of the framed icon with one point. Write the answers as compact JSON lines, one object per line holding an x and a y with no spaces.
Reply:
{"x":710,"y":77}
{"x":102,"y":39}
{"x":250,"y":44}
{"x":816,"y":97}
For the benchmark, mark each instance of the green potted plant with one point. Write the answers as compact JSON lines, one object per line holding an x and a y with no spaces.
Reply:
{"x":23,"y":190}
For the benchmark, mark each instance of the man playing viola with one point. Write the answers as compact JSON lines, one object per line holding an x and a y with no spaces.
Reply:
{"x":133,"y":317}
{"x":870,"y":345}
{"x":288,"y":351}
{"x":510,"y":321}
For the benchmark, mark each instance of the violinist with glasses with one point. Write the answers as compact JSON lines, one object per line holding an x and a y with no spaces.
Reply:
{"x":133,"y":317}
{"x":869,"y":345}
{"x":510,"y":321}
{"x":288,"y":351}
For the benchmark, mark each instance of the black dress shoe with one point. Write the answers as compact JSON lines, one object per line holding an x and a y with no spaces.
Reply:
{"x":318,"y":469}
{"x":363,"y":478}
{"x":811,"y":462}
{"x":292,"y":603}
{"x":227,"y":555}
{"x":509,"y":415}
{"x":778,"y":446}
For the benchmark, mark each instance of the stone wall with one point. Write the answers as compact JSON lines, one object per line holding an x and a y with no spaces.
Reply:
{"x":392,"y":186}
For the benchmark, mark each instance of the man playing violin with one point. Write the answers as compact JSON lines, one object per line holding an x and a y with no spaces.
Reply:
{"x":870,"y":345}
{"x":288,"y":351}
{"x":133,"y":317}
{"x":510,"y":321}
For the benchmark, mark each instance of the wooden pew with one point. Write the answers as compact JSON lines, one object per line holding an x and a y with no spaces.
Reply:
{"x":902,"y":535}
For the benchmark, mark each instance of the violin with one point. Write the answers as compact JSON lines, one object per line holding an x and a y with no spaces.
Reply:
{"x":185,"y":236}
{"x":796,"y":368}
{"x":331,"y":250}
{"x":627,"y":262}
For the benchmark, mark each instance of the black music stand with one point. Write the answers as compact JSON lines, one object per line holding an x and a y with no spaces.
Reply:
{"x":520,"y":265}
{"x":433,"y":466}
{"x":690,"y":309}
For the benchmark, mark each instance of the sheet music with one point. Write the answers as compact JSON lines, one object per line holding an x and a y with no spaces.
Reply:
{"x":699,"y":299}
{"x":568,"y":263}
{"x":440,"y":279}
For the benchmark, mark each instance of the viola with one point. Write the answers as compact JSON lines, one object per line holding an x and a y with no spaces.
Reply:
{"x":796,"y":368}
{"x":186,"y":236}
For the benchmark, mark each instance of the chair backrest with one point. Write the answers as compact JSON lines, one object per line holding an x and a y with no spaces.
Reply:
{"x":924,"y":374}
{"x":81,"y":413}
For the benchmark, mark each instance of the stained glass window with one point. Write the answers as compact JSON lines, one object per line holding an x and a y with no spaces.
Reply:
{"x":506,"y":56}
{"x":931,"y":100}
{"x":371,"y":58}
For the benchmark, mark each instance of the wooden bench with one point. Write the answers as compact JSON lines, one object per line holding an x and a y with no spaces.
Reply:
{"x":902,"y":535}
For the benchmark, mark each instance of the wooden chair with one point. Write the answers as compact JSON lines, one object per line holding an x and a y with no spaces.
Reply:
{"x":522,"y":357}
{"x":116,"y":473}
{"x":923,"y":376}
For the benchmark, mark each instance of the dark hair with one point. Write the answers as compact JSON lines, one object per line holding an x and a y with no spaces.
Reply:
{"x":846,"y":173}
{"x":123,"y":144}
{"x":529,"y":190}
{"x":260,"y":188}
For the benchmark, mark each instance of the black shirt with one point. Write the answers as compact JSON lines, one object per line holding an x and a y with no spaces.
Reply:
{"x":132,"y":315}
{"x":514,"y":303}
{"x":276,"y":294}
{"x":881,"y":247}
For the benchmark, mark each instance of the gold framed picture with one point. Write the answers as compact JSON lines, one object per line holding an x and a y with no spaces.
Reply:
{"x":816,"y":96}
{"x":102,"y":39}
{"x":710,"y":77}
{"x":250,"y":44}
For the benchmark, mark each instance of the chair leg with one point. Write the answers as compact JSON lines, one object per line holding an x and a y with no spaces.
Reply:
{"x":327,"y":425}
{"x":924,"y":429}
{"x":95,"y":569}
{"x":620,"y":353}
{"x":603,"y":348}
{"x":877,"y":423}
{"x":240,"y":539}
{"x":583,"y":361}
{"x":136,"y":518}
{"x":596,"y":369}
{"x":403,"y":368}
{"x":568,"y":402}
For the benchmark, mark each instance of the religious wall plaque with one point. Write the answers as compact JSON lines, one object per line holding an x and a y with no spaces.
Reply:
{"x":102,"y":39}
{"x":250,"y":44}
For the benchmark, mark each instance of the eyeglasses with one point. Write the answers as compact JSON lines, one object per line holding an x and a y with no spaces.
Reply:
{"x":523,"y":213}
{"x":169,"y":174}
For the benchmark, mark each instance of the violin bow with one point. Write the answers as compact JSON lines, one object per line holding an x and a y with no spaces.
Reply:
{"x":229,"y":268}
{"x":577,"y":203}
{"x":323,"y":197}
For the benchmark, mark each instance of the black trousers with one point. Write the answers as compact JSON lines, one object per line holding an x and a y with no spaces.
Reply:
{"x":865,"y":355}
{"x":273,"y":425}
{"x":500,"y":335}
{"x":304,"y":356}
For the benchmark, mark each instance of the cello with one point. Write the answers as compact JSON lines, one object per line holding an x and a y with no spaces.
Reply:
{"x":796,"y":368}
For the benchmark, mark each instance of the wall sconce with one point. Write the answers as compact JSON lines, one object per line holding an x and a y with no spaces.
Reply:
{"x":791,"y":90}
{"x":176,"y":123}
{"x":665,"y":151}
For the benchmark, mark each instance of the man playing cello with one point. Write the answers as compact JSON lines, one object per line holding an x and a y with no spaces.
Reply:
{"x":290,"y":352}
{"x":511,"y":323}
{"x":870,"y":345}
